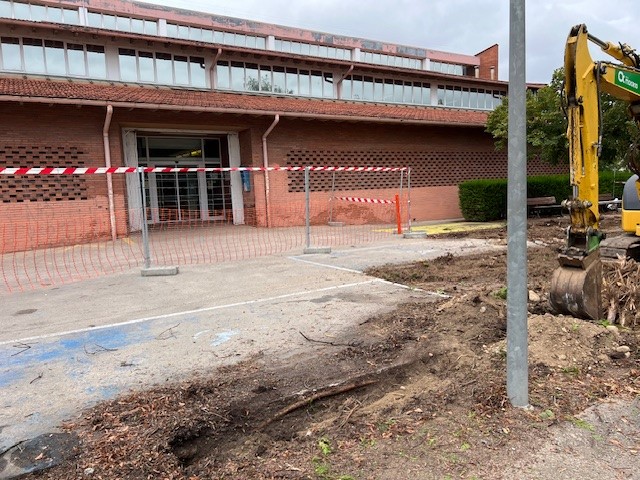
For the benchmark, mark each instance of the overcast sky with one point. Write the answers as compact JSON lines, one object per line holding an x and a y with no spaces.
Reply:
{"x":460,"y":26}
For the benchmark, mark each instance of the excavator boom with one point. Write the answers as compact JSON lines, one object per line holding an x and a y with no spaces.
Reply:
{"x":576,"y":284}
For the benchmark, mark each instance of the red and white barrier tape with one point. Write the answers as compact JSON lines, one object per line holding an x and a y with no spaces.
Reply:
{"x":105,"y":170}
{"x":365,"y":200}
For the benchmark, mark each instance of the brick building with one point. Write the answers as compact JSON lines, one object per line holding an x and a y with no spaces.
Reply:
{"x":109,"y":82}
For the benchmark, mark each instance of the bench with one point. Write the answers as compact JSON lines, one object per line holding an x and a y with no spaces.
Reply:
{"x":538,"y":205}
{"x":606,"y":202}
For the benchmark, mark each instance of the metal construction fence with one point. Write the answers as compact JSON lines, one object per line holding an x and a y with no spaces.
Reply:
{"x":165,"y":216}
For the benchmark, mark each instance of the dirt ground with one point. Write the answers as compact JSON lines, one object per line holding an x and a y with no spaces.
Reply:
{"x":416,"y":393}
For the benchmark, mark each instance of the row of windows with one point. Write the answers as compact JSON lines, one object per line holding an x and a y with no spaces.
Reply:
{"x":49,"y":57}
{"x":450,"y":68}
{"x":386,"y":90}
{"x":215,"y":36}
{"x":251,"y":77}
{"x":311,"y":49}
{"x":123,"y":24}
{"x":34,"y":55}
{"x":475,"y":98}
{"x":390,"y":60}
{"x":26,"y":11}
{"x":164,"y":68}
{"x":38,"y":13}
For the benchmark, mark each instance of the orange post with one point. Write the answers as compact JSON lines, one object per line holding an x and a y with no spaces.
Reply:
{"x":398,"y":218}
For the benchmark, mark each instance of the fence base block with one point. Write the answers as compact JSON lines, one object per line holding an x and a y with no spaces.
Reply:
{"x":336,"y":224}
{"x":414,"y":235}
{"x":310,"y":250}
{"x":159,"y":271}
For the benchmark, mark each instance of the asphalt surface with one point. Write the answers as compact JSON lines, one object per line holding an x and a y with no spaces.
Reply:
{"x":66,"y":348}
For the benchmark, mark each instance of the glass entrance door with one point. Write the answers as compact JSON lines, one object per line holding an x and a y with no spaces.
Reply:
{"x":179,"y":197}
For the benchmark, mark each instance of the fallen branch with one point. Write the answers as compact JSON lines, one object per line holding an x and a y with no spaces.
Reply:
{"x":333,"y":344}
{"x":169,"y":331}
{"x":316,"y":396}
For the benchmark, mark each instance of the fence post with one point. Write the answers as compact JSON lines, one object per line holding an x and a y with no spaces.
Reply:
{"x":409,"y":199}
{"x":146,"y":252}
{"x":147,"y":270}
{"x":307,"y":215}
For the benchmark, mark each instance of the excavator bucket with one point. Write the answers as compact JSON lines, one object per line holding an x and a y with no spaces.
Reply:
{"x":576,"y":289}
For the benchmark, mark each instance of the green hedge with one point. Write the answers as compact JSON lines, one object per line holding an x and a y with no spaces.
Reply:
{"x":486,"y":199}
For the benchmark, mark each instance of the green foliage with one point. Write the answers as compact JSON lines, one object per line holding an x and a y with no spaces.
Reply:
{"x":501,"y":293}
{"x":547,"y":125}
{"x":486,"y":199}
{"x":483,"y":200}
{"x":325,"y":446}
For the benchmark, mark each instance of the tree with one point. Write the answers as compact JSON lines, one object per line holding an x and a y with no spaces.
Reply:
{"x":547,"y":126}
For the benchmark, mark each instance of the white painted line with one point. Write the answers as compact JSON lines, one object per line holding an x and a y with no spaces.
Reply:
{"x":350,"y":270}
{"x":188,"y":312}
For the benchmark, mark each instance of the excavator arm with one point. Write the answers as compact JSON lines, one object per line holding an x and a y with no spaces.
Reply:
{"x":576,"y":284}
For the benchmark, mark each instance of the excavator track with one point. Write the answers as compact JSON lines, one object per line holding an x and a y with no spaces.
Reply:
{"x":622,"y":246}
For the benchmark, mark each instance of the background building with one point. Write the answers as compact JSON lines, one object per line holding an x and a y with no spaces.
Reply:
{"x":108,"y":82}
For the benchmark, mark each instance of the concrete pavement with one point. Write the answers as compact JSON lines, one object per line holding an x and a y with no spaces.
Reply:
{"x":66,"y":348}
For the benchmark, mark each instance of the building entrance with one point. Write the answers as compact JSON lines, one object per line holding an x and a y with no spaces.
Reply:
{"x":179,"y":197}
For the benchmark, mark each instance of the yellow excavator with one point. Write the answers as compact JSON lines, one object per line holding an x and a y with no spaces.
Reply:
{"x":576,"y":283}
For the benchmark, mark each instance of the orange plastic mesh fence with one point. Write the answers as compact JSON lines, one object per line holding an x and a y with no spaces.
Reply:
{"x":192,"y":221}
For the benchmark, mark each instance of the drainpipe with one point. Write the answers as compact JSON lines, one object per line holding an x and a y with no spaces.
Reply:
{"x":265,"y":162}
{"x":339,"y":84}
{"x":107,"y":163}
{"x":212,"y":70}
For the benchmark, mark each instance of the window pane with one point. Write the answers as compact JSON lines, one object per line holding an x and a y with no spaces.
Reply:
{"x":197,"y":68}
{"x":127,"y":62}
{"x":251,"y":77}
{"x":21,"y":11}
{"x":398,"y":91}
{"x":123,"y":24}
{"x":5,"y":9}
{"x":146,"y":67}
{"x":240,"y":40}
{"x":94,"y":20}
{"x":222,"y":75}
{"x":75,"y":56}
{"x":261,"y":42}
{"x":465,"y":98}
{"x":34,"y":55}
{"x":38,"y":13}
{"x":207,"y":36}
{"x":426,"y":95}
{"x":96,"y":61}
{"x":473,"y":99}
{"x":150,"y":27}
{"x":278,"y":80}
{"x":195,"y":34}
{"x":181,"y":70}
{"x":137,"y":25}
{"x":367,"y":93}
{"x":292,"y":81}
{"x":183,"y":32}
{"x":164,"y":68}
{"x":448,"y":97}
{"x":304,"y":80}
{"x":11,"y":54}
{"x":316,"y":84}
{"x":440,"y":96}
{"x":357,"y":88}
{"x":346,"y":91}
{"x":457,"y":98}
{"x":109,"y":21}
{"x":54,"y":55}
{"x":328,"y":85}
{"x":266,"y":80}
{"x":54,"y":14}
{"x":237,"y":76}
{"x":388,"y":91}
{"x":71,"y":16}
{"x":172,"y":30}
{"x":407,"y":92}
{"x":378,"y":90}
{"x":218,"y":37}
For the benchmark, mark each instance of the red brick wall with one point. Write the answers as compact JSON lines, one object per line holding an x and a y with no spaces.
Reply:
{"x":489,"y":59}
{"x":440,"y":158}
